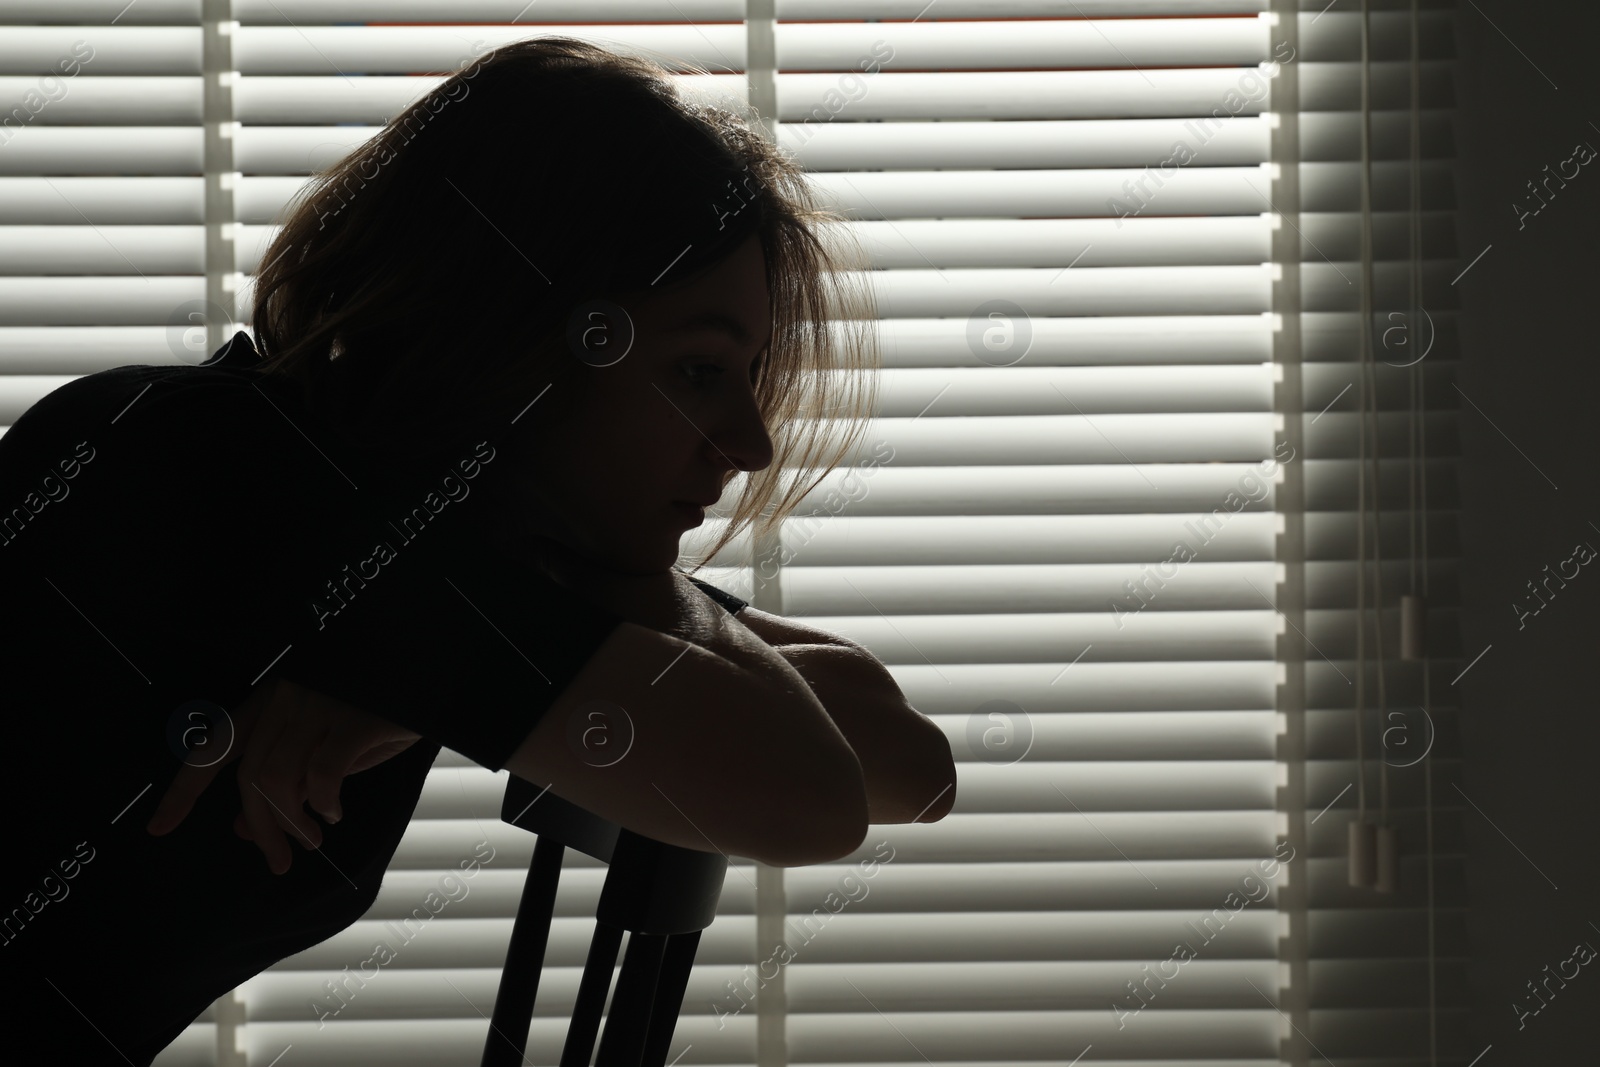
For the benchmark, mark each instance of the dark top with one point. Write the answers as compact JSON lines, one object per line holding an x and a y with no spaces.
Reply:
{"x":172,"y":535}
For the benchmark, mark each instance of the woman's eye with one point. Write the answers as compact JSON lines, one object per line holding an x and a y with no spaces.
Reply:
{"x":711,"y":370}
{"x":703,"y":373}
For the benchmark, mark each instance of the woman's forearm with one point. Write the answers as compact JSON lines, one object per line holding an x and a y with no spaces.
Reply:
{"x":905,"y":759}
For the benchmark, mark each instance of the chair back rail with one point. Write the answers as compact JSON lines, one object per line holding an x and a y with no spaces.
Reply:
{"x":662,"y":896}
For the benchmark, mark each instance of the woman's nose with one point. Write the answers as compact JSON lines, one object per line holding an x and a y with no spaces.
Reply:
{"x":745,"y":441}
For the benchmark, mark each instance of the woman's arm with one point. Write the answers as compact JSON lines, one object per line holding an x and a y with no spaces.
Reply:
{"x":905,"y":759}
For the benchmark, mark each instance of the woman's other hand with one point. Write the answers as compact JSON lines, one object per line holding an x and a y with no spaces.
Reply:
{"x":906,"y":762}
{"x":297,"y":745}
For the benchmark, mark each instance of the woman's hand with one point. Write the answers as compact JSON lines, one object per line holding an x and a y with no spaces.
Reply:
{"x":296,"y":745}
{"x":906,"y":761}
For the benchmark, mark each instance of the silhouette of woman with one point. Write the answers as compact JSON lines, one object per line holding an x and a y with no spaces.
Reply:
{"x":499,"y":353}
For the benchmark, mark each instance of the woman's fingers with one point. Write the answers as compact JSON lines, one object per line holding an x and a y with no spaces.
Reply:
{"x":325,"y":773}
{"x":282,"y":777}
{"x":292,"y":745}
{"x":356,"y":741}
{"x":258,"y":814}
{"x":178,"y":801}
{"x":347,"y":738}
{"x":200,"y":768}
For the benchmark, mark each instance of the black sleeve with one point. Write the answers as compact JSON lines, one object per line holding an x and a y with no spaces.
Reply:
{"x":732,"y":603}
{"x":467,"y":646}
{"x":239,"y":543}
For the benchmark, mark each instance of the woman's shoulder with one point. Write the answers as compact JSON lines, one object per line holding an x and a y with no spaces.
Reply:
{"x":132,"y":419}
{"x":153,"y":451}
{"x":114,"y":402}
{"x":216,"y":439}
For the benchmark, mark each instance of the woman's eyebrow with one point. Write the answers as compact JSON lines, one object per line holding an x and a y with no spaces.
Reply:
{"x":714,"y":320}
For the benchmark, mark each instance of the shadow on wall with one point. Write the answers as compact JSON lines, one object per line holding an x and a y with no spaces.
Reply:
{"x":1527,"y":90}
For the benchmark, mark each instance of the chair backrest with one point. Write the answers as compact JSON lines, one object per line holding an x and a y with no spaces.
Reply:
{"x":661,"y":895}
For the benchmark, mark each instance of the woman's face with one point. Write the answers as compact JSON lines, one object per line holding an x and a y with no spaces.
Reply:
{"x":666,"y":423}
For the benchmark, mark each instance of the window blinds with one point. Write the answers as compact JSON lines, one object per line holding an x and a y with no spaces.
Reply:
{"x":1087,"y":335}
{"x":1127,"y":756}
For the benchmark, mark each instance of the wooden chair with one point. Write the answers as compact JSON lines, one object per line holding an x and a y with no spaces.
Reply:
{"x":662,"y":895}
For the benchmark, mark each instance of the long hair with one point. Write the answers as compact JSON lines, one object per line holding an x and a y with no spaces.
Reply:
{"x":422,"y":287}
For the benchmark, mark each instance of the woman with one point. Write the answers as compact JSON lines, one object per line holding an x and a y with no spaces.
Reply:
{"x":505,"y":350}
